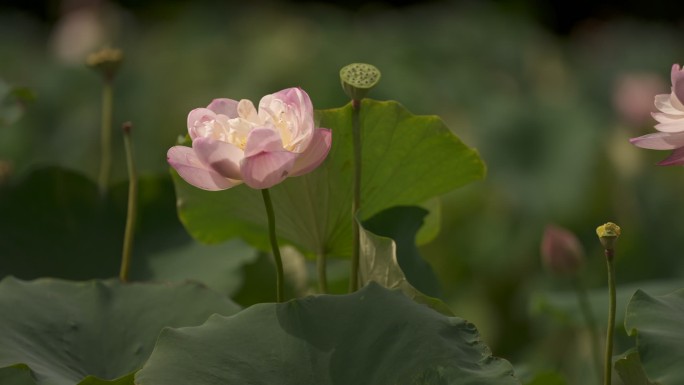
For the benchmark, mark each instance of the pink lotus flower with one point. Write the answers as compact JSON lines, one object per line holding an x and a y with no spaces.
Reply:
{"x":670,"y":122}
{"x":233,"y":142}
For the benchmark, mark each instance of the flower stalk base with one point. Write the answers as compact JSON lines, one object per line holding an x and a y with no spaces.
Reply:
{"x":280,"y":276}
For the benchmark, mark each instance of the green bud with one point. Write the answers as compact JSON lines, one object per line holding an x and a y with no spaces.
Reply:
{"x":358,"y":78}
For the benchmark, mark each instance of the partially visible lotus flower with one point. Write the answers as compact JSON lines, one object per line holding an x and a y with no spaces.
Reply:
{"x":233,"y":142}
{"x":670,"y":122}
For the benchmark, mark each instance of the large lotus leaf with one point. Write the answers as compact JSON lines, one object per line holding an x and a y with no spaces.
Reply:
{"x":93,"y":332}
{"x":657,"y":322}
{"x":547,"y":378}
{"x":401,"y":224}
{"x":379,"y":262}
{"x":54,"y":222}
{"x":219,"y":267}
{"x":564,"y":306}
{"x":373,"y":336}
{"x":407,"y":159}
{"x":630,"y":369}
{"x":19,"y":374}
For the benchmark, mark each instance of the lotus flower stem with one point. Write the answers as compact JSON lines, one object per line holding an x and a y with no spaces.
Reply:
{"x":608,"y":361}
{"x":105,"y":137}
{"x":588,"y":314}
{"x":280,"y":276}
{"x":356,"y":202}
{"x":321,"y":265}
{"x":132,"y":205}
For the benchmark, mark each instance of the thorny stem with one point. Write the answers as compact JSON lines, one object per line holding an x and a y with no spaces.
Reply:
{"x":356,"y":203}
{"x":132,"y":205}
{"x":280,"y":276}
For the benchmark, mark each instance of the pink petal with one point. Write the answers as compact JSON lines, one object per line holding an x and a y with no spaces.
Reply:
{"x":664,"y":104}
{"x":189,"y":167}
{"x":198,"y":116}
{"x":660,"y":141}
{"x":267,"y":169}
{"x":678,"y":91}
{"x":665,"y":118}
{"x":263,"y":139}
{"x":675,"y":73}
{"x":295,"y":97}
{"x":222,"y":157}
{"x":671,"y":127}
{"x":675,"y":103}
{"x":224,"y":106}
{"x":299,"y":104}
{"x":315,"y":154}
{"x":246,"y":110}
{"x":675,"y":159}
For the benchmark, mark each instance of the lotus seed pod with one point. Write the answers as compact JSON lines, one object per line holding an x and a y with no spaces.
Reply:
{"x":107,"y":61}
{"x":608,"y":234}
{"x":358,"y":78}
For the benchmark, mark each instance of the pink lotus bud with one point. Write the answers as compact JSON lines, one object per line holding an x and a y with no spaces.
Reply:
{"x":561,"y":251}
{"x":234,"y":142}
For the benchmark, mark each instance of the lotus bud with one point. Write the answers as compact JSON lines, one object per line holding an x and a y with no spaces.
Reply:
{"x":561,"y":251}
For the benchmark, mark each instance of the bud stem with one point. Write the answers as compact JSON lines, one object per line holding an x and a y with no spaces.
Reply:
{"x":608,"y":363}
{"x":356,"y":202}
{"x":105,"y":137}
{"x":280,"y":275}
{"x":132,"y":205}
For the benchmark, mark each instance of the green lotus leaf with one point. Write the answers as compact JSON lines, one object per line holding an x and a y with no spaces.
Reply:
{"x":657,"y":323}
{"x":564,"y":306}
{"x":630,"y":369}
{"x":402,"y":225}
{"x":379,"y":261}
{"x":92,"y":332}
{"x":373,"y":336}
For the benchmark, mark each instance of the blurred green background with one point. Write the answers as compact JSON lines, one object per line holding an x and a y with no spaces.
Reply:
{"x":548,"y":93}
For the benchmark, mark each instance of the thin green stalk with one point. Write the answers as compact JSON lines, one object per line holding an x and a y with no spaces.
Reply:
{"x":321,"y":267}
{"x":280,"y":276}
{"x":608,"y":359}
{"x":356,"y":202}
{"x":585,"y":308}
{"x":106,"y":137}
{"x":132,"y":205}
